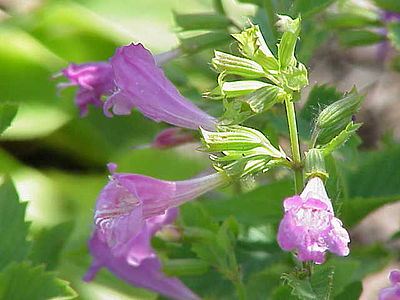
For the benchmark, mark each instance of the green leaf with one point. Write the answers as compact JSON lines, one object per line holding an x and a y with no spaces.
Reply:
{"x":392,"y":5}
{"x":204,"y":41}
{"x":355,"y":38}
{"x":7,"y":114}
{"x":394,"y":34}
{"x":352,"y":292}
{"x":185,"y":267}
{"x":13,"y":228}
{"x":318,"y":287}
{"x":201,"y":21}
{"x":22,"y":281}
{"x":307,"y":8}
{"x":319,"y":97}
{"x":48,"y":244}
{"x":350,"y":20}
{"x":377,"y":175}
{"x":355,"y":209}
{"x":260,"y":206}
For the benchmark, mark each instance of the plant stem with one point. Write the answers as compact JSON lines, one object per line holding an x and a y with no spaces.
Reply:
{"x":240,"y":290}
{"x":237,"y":276}
{"x":294,"y":142}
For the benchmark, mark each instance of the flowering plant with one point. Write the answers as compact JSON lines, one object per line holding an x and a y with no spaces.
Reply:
{"x":234,"y":170}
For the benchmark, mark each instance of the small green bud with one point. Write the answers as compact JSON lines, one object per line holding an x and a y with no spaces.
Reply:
{"x":335,"y":117}
{"x":169,"y":233}
{"x":315,"y":164}
{"x":291,"y":31}
{"x":185,"y":267}
{"x":231,"y":64}
{"x":253,"y":46}
{"x":296,"y":78}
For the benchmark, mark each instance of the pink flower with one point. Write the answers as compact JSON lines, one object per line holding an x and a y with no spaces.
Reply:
{"x":142,"y":84}
{"x":310,"y":227}
{"x":93,"y":79}
{"x":139,"y":264}
{"x":129,"y":200}
{"x":392,"y":292}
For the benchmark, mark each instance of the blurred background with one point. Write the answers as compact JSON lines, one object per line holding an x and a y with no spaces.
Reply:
{"x":57,"y":160}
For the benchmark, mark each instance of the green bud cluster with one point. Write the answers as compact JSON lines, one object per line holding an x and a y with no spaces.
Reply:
{"x":278,"y":78}
{"x":239,"y":151}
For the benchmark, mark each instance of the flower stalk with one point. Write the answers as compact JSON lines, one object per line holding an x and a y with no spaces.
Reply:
{"x":295,"y":146}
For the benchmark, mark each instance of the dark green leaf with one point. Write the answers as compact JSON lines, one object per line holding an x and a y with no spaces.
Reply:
{"x":354,"y":38}
{"x":13,"y":228}
{"x":48,"y":244}
{"x":352,"y":292}
{"x":207,"y":40}
{"x":350,"y":20}
{"x":7,"y":114}
{"x":260,"y":206}
{"x":22,"y":281}
{"x":392,"y":5}
{"x":377,"y":175}
{"x":201,"y":21}
{"x":309,"y":7}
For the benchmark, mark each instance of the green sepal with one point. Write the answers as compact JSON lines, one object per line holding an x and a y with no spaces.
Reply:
{"x":231,"y":64}
{"x":238,"y":138}
{"x":341,"y":138}
{"x":296,"y":78}
{"x":291,"y":29}
{"x":315,"y":164}
{"x":235,"y":89}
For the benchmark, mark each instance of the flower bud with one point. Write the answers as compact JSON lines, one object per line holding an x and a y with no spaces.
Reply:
{"x":335,"y":117}
{"x":234,"y":89}
{"x":253,"y":46}
{"x":291,"y":30}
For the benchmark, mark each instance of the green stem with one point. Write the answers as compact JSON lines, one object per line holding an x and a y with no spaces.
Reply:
{"x":237,"y":276}
{"x":294,"y":142}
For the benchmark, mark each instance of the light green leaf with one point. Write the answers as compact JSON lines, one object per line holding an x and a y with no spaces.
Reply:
{"x":355,"y":38}
{"x":22,"y":281}
{"x":13,"y":228}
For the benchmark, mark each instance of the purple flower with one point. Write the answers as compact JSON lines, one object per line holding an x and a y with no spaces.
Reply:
{"x":392,"y":292}
{"x":139,"y":264}
{"x":129,"y":200}
{"x":93,"y":79}
{"x":142,"y":84}
{"x":310,"y":227}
